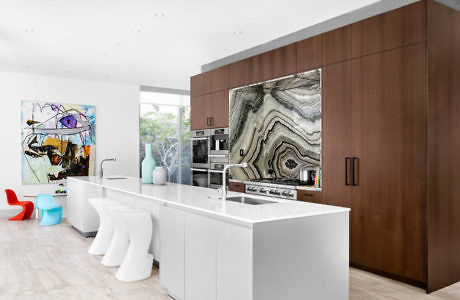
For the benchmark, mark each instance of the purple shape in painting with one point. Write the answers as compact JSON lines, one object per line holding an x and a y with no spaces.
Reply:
{"x":69,"y":121}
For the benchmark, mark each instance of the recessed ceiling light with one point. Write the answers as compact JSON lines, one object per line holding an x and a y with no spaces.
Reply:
{"x":26,"y":67}
{"x":118,"y":44}
{"x":137,"y":31}
{"x":29,"y":30}
{"x":107,"y":75}
{"x":103,"y":54}
{"x":237,"y":32}
{"x":159,"y":15}
{"x":17,"y":54}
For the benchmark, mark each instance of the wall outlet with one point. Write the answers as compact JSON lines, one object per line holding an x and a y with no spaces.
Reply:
{"x":241,"y":152}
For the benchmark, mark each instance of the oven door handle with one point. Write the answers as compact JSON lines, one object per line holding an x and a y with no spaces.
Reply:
{"x":200,"y":139}
{"x":216,"y":171}
{"x":217,"y":155}
{"x":199,"y":170}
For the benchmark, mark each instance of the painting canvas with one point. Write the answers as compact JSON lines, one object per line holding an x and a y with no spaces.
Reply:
{"x":275,"y":127}
{"x":58,"y":140}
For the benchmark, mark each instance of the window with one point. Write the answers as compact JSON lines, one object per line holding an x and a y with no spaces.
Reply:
{"x":165,"y":123}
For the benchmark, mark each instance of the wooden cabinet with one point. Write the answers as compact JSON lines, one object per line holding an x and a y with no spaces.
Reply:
{"x":309,"y":196}
{"x":200,"y":111}
{"x":310,"y":53}
{"x":219,"y":109}
{"x":236,"y":186}
{"x":236,"y":74}
{"x":397,"y":28}
{"x":389,"y":142}
{"x":336,"y":134}
{"x":200,"y":84}
{"x":337,"y":45}
{"x":219,"y":79}
{"x":209,"y":111}
{"x":271,"y":64}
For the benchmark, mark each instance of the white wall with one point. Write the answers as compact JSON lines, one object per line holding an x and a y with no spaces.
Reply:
{"x":117,"y":123}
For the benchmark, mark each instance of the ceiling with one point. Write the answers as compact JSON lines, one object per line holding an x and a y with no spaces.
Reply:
{"x":153,"y":43}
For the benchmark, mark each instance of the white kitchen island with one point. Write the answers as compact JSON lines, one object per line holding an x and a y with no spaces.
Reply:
{"x":206,"y":250}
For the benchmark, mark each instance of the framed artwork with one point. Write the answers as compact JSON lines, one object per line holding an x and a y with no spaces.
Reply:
{"x":58,"y":140}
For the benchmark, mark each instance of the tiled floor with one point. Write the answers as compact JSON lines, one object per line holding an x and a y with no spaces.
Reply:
{"x":53,"y":263}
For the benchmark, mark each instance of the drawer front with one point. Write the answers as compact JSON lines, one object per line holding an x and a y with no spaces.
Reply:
{"x":309,"y":196}
{"x":236,"y":187}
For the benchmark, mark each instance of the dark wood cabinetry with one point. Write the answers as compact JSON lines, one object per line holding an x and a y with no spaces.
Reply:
{"x":337,"y":45}
{"x":390,"y":134}
{"x":389,"y":142}
{"x":219,"y":79}
{"x":310,"y":53}
{"x":336,"y":143}
{"x":236,"y":186}
{"x":397,"y":28}
{"x":309,"y":196}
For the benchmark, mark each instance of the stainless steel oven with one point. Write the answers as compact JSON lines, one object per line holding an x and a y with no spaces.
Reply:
{"x":200,"y":177}
{"x":200,"y":148}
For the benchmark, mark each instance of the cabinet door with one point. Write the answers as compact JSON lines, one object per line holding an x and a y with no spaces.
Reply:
{"x":279,"y":62}
{"x":310,"y":53}
{"x":172,"y":244}
{"x":336,"y":135}
{"x":396,"y":28}
{"x":200,"y":257}
{"x":389,"y":141}
{"x":219,"y":79}
{"x":309,"y":196}
{"x":200,"y":112}
{"x":234,"y":262}
{"x":219,"y":109}
{"x":337,"y":45}
{"x":236,"y":77}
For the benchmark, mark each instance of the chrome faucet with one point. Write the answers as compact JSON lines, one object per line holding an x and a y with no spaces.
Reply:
{"x":101,"y":169}
{"x":224,"y":180}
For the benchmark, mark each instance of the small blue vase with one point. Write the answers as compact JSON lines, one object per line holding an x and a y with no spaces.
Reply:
{"x":148,"y":165}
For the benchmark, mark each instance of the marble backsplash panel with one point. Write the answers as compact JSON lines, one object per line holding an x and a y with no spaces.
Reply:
{"x":276,"y":127}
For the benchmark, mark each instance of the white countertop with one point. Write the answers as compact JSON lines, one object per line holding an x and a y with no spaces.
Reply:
{"x":207,"y":200}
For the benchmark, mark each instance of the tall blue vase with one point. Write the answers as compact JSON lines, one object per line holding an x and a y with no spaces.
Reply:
{"x":148,"y":164}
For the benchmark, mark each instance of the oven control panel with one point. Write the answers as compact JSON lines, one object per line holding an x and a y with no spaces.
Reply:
{"x":278,"y":192}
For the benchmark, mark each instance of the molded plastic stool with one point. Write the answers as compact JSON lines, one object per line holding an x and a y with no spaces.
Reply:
{"x":104,"y":233}
{"x":137,"y":264}
{"x":120,"y":240}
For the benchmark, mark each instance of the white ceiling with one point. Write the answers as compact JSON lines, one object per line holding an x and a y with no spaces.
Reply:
{"x":123,"y":41}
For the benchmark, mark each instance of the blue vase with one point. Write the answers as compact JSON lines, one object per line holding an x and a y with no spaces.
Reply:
{"x":148,"y":165}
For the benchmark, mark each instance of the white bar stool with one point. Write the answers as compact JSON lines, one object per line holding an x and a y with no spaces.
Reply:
{"x":120,"y":240}
{"x":137,"y":264}
{"x":104,"y":233}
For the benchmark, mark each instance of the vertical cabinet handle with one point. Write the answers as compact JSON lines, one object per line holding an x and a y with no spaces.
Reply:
{"x":347,"y":160}
{"x":211,"y":121}
{"x":207,"y":121}
{"x":353,"y":169}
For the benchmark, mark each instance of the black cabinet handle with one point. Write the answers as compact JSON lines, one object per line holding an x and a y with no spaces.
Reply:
{"x":211,"y":121}
{"x":347,"y":160}
{"x":353,"y":169}
{"x":207,"y":121}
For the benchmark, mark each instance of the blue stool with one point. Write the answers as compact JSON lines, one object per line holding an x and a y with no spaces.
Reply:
{"x":51,"y":213}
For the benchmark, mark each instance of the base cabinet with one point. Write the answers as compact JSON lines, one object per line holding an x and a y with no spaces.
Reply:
{"x":203,"y":258}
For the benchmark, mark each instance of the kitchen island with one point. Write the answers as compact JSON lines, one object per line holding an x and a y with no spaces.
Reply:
{"x":209,"y":250}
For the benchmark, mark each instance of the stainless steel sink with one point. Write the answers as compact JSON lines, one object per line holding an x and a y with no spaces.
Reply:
{"x":113,"y":178}
{"x":249,"y":200}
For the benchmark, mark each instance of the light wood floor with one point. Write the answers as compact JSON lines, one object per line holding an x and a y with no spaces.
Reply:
{"x":52,"y":263}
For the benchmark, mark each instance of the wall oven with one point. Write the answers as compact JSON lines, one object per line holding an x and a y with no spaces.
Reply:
{"x":200,"y":148}
{"x":216,"y":174}
{"x":200,"y":177}
{"x":218,"y":141}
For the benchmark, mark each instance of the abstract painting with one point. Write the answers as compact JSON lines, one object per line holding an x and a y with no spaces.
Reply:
{"x":275,"y":127}
{"x":58,"y":140}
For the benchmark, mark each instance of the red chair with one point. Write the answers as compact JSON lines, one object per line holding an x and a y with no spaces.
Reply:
{"x":27,"y":206}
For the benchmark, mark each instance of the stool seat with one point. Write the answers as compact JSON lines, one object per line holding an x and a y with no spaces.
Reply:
{"x":137,"y":263}
{"x":120,"y":240}
{"x":104,"y":233}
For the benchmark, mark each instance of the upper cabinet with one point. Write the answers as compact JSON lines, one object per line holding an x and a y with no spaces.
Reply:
{"x":219,"y":79}
{"x":200,"y":84}
{"x":236,"y":72}
{"x":337,"y":45}
{"x":397,"y":28}
{"x":310,"y":53}
{"x":271,"y":64}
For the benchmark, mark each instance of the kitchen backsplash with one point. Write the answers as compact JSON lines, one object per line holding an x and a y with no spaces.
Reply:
{"x":276,"y":127}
